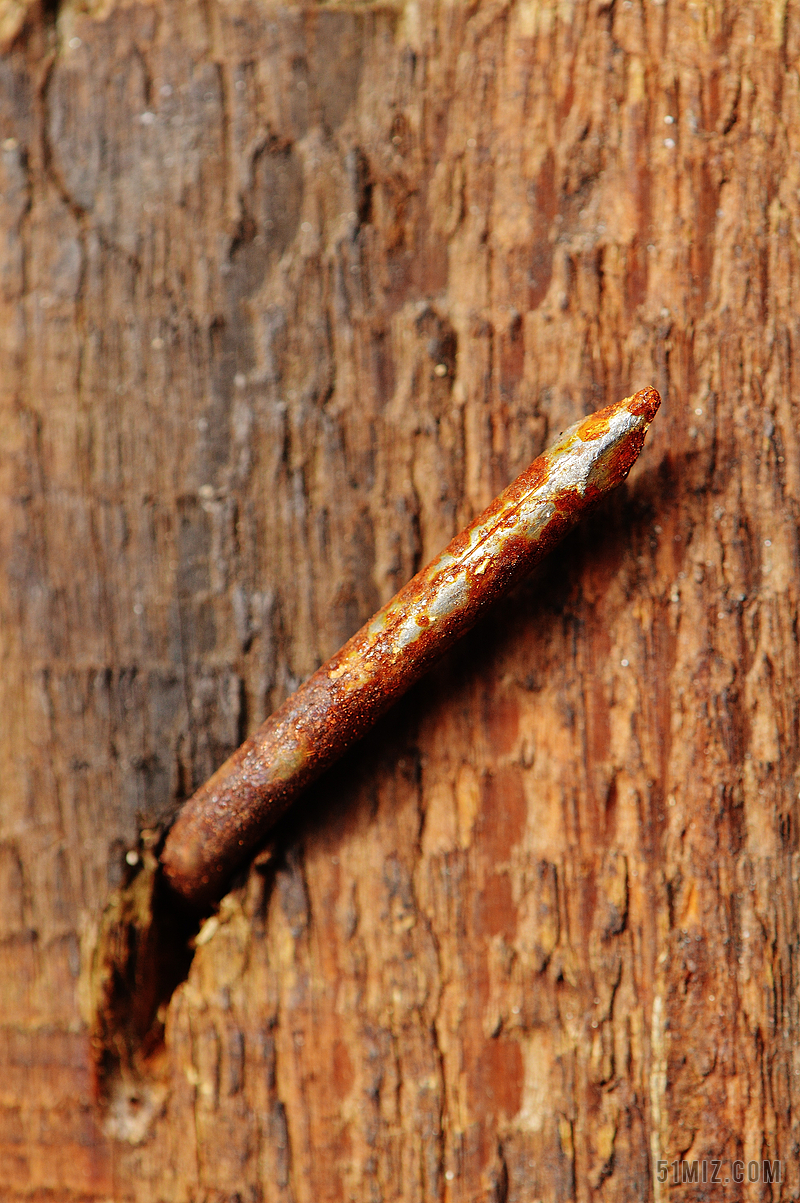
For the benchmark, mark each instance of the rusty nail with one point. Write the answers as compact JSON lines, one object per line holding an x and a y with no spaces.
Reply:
{"x":220,"y":825}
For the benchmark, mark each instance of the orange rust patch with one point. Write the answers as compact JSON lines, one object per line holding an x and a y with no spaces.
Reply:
{"x":596,"y":425}
{"x":624,"y":457}
{"x":532,"y":478}
{"x":537,"y":473}
{"x":571,"y":502}
{"x":645,"y":403}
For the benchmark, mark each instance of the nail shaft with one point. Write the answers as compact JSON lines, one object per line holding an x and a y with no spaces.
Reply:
{"x":221,"y":824}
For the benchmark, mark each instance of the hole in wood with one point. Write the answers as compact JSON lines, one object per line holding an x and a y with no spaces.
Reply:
{"x":143,"y":951}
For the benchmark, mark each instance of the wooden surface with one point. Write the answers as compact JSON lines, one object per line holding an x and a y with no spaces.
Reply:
{"x":539,"y":932}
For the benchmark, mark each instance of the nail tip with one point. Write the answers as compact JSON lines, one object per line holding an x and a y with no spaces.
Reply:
{"x":644,"y":404}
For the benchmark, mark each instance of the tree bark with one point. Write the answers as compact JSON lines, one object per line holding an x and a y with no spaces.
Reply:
{"x":535,"y":938}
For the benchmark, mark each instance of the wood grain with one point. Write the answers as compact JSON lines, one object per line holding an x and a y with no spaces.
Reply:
{"x":542,"y":933}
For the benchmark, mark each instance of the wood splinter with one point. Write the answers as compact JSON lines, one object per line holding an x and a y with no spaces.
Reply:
{"x":221,"y":824}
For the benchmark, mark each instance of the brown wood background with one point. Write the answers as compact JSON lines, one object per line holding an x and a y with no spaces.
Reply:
{"x":540,"y":930}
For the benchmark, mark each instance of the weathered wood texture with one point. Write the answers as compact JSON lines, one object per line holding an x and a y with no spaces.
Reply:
{"x":540,"y":932}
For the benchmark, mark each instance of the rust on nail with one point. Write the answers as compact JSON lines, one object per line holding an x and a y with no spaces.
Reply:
{"x":226,"y":818}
